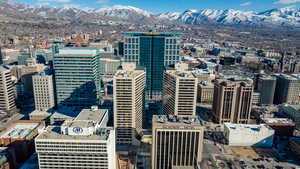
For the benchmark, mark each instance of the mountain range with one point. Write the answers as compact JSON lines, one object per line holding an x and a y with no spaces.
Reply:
{"x":282,"y":17}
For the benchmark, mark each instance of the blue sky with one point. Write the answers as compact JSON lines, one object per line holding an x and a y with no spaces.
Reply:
{"x":158,"y":6}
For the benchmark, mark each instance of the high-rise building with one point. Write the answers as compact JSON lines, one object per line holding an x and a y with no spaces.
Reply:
{"x":77,"y":77}
{"x":266,"y":87}
{"x":85,"y":142}
{"x":109,"y":67}
{"x":287,"y":89}
{"x":232,"y":100}
{"x":176,"y":142}
{"x":7,"y":91}
{"x":43,"y":90}
{"x":180,"y":93}
{"x":152,"y":51}
{"x":129,"y":93}
{"x":1,"y":57}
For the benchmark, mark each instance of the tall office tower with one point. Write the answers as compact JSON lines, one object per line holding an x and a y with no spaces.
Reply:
{"x":85,"y":142}
{"x":43,"y":91}
{"x":287,"y":89}
{"x":180,"y":93}
{"x":77,"y":77}
{"x":232,"y":100}
{"x":176,"y":142}
{"x":266,"y":87}
{"x":152,"y":51}
{"x":109,"y":67}
{"x":129,"y":93}
{"x":7,"y":91}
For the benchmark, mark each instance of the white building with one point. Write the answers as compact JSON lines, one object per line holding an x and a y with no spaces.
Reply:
{"x":84,"y":142}
{"x":180,"y":92}
{"x":43,"y":91}
{"x":129,"y":92}
{"x":249,"y":135}
{"x":7,"y":91}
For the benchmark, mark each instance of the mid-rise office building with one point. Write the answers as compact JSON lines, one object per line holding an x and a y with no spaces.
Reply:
{"x":109,"y":67}
{"x":266,"y":87}
{"x":153,"y":51}
{"x":85,"y":142}
{"x":180,"y":93}
{"x":205,"y":93}
{"x":77,"y":77}
{"x":176,"y":142}
{"x":7,"y":91}
{"x":129,"y":93}
{"x":287,"y":89}
{"x":43,"y":91}
{"x":232,"y":100}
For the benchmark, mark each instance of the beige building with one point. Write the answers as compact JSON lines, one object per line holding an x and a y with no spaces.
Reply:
{"x":205,"y":93}
{"x":232,"y":100}
{"x":43,"y":92}
{"x":180,"y":93}
{"x":129,"y":92}
{"x":7,"y":91}
{"x":177,"y":142}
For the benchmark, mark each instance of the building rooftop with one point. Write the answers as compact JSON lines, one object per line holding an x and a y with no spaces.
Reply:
{"x":247,"y":127}
{"x":55,"y":133}
{"x":21,"y":130}
{"x":182,"y":74}
{"x":278,"y":120}
{"x":40,"y":113}
{"x":170,"y":120}
{"x":128,"y":74}
{"x":78,"y":51}
{"x":150,"y":34}
{"x":91,"y":114}
{"x":289,"y":77}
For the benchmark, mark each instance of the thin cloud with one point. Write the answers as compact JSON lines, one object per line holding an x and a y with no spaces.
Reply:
{"x":57,"y":1}
{"x":286,"y":1}
{"x":246,"y":3}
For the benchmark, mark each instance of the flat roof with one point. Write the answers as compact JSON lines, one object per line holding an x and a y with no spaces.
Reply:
{"x":39,"y":113}
{"x":247,"y":127}
{"x":78,"y":51}
{"x":20,"y":130}
{"x":54,"y":133}
{"x":176,"y":121}
{"x":278,"y":120}
{"x":150,"y":34}
{"x":182,"y":74}
{"x":128,"y":74}
{"x":91,"y":114}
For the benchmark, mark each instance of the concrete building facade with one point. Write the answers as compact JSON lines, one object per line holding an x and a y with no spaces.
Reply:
{"x":266,"y":87}
{"x":43,"y":91}
{"x":180,"y":93}
{"x":176,"y":142}
{"x":84,"y":142}
{"x":232,"y":100}
{"x":129,"y":94}
{"x":7,"y":91}
{"x":287,"y":89}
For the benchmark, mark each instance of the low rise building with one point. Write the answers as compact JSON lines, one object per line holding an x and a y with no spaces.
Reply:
{"x":282,"y":126}
{"x":292,"y":112}
{"x":20,"y":137}
{"x":248,"y":135}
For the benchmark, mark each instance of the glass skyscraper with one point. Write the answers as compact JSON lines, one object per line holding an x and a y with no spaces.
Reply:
{"x":77,"y":77}
{"x":153,"y":51}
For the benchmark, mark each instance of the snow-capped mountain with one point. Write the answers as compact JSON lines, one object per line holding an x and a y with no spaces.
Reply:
{"x":289,"y":16}
{"x":124,"y":12}
{"x":169,"y":15}
{"x":281,"y":17}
